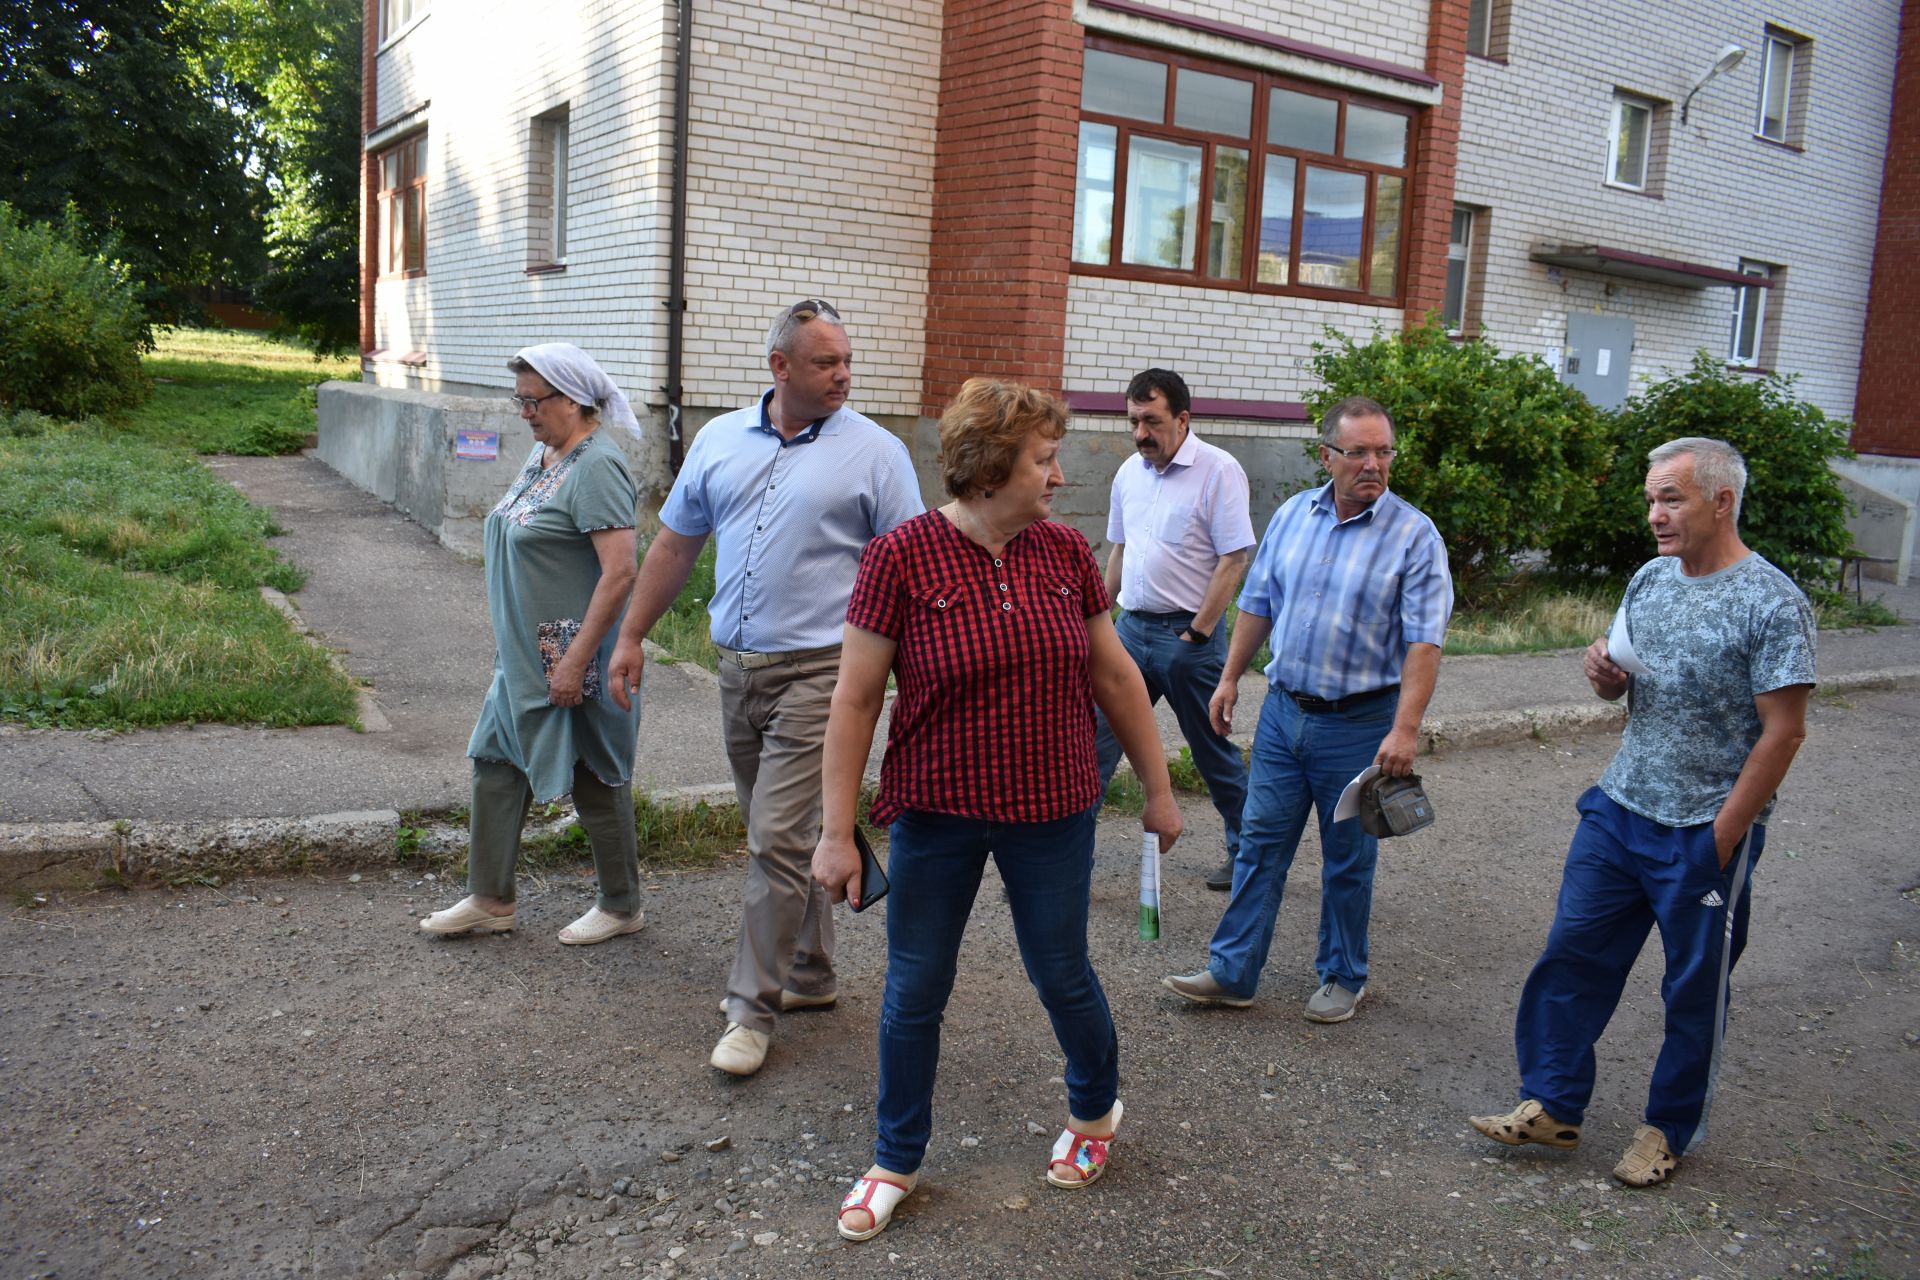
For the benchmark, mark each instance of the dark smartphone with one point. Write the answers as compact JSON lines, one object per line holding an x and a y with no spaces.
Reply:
{"x":873,"y":876}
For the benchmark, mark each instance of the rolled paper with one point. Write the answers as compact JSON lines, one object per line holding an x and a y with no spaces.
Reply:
{"x":1149,"y":885}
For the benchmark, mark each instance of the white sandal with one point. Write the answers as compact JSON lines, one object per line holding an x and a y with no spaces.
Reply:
{"x":1084,"y":1157}
{"x":464,"y":917}
{"x":877,"y":1197}
{"x":598,"y":926}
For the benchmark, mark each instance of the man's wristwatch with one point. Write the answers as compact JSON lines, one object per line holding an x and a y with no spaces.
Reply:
{"x":1199,"y":636}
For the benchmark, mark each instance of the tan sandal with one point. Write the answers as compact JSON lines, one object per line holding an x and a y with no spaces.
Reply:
{"x":1084,"y":1158}
{"x":1528,"y":1122}
{"x":1649,"y":1161}
{"x":877,"y":1198}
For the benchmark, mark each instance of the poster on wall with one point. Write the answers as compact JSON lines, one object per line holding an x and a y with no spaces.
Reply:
{"x":479,"y":446}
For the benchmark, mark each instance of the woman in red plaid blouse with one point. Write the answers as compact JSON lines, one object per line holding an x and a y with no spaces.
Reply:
{"x":996,"y":622}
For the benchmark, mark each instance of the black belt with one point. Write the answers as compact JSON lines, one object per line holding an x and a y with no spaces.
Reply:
{"x":1308,"y":702}
{"x":1178,"y":615}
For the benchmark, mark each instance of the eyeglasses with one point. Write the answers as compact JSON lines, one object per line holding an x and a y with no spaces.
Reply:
{"x":524,"y":403}
{"x":1360,"y":455}
{"x":808,"y":308}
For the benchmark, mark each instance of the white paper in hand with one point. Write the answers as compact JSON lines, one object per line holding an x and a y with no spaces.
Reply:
{"x":1349,"y":806}
{"x":1620,"y":649}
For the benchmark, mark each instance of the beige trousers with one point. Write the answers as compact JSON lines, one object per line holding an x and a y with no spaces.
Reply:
{"x":775,"y":723}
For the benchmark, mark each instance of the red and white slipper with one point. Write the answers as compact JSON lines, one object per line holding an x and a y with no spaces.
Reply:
{"x":878,"y":1197}
{"x":1079,"y":1158}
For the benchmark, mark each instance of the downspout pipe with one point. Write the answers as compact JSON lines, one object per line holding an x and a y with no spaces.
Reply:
{"x":677,"y":233}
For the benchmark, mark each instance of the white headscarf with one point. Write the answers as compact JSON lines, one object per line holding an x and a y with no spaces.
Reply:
{"x":573,"y":373}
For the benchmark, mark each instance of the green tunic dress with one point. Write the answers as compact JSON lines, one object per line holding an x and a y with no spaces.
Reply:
{"x":541,"y":572}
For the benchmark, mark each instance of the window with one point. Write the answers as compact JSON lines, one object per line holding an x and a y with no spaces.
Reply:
{"x":403,"y":207}
{"x":547,"y":190}
{"x":1487,"y":23}
{"x":1460,"y":248}
{"x":1756,"y":311}
{"x":1636,"y":145}
{"x":1784,"y":74}
{"x":1197,"y":173}
{"x":397,"y":15}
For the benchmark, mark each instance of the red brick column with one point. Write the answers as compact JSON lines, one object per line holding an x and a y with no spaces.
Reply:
{"x":369,"y":195}
{"x":1004,"y":163}
{"x":1886,"y":407}
{"x":1437,"y":155}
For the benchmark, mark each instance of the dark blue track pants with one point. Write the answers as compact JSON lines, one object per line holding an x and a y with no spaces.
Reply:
{"x":1625,"y":873}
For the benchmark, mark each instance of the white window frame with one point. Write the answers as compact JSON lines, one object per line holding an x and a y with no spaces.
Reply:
{"x":1777,"y":65}
{"x":1485,"y":21}
{"x":1623,"y":103}
{"x":397,"y":15}
{"x":1741,"y":297}
{"x":1460,"y":258}
{"x":558,"y":135}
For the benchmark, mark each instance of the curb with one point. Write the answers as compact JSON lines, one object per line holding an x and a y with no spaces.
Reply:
{"x":41,"y":855}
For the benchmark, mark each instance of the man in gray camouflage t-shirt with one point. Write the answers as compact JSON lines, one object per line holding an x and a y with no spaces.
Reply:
{"x":1714,"y":650}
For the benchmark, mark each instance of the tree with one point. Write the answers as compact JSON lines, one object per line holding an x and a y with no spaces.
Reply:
{"x":101,"y":111}
{"x":296,"y":63}
{"x":1497,"y":451}
{"x":1795,"y":513}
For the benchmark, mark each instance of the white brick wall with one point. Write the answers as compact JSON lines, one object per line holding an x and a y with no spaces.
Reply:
{"x":812,"y":176}
{"x":1226,"y":344}
{"x":1386,"y":30}
{"x":1534,"y":147}
{"x":489,"y":73}
{"x":402,"y":76}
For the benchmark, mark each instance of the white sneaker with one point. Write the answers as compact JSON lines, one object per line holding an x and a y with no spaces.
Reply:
{"x":741,"y":1051}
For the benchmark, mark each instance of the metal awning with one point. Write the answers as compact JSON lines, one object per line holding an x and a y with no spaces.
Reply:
{"x":1607,"y":261}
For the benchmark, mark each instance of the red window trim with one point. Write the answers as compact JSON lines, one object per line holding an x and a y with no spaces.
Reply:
{"x":1258,"y":150}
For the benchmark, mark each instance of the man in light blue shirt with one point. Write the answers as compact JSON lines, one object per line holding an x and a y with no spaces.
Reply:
{"x":1351,"y":583}
{"x":1181,"y":532}
{"x":792,"y":489}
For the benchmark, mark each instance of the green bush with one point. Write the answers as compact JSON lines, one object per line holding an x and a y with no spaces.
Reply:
{"x":1495,"y":449}
{"x":1795,"y":512}
{"x":71,"y":325}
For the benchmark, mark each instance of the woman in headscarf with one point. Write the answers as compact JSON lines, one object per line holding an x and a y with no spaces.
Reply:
{"x":560,"y":563}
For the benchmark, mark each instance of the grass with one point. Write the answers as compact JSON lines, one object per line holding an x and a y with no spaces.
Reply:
{"x":133,"y":574}
{"x":217,"y":391}
{"x":684,"y":630}
{"x":1125,"y":795}
{"x":1528,"y":616}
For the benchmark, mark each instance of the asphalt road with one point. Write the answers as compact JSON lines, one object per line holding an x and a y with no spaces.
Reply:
{"x":282,"y":1078}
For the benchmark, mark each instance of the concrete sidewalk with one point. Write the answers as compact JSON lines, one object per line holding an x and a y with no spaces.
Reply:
{"x":409,"y":619}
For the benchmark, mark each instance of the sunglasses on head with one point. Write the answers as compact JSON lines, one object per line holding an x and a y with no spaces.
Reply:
{"x":808,"y":308}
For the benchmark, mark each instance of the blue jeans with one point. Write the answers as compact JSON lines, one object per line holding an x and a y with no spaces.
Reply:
{"x":1624,"y":873}
{"x":935,"y":865}
{"x":1185,"y":675}
{"x":1300,"y":760}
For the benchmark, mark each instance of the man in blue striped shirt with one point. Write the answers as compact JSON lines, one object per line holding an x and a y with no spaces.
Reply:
{"x":1351,"y":583}
{"x":791,"y":489}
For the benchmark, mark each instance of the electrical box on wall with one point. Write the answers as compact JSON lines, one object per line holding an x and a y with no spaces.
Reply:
{"x":1599,"y":353}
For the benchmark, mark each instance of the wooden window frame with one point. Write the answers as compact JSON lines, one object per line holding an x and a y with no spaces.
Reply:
{"x":1258,"y":150}
{"x":395,"y":246}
